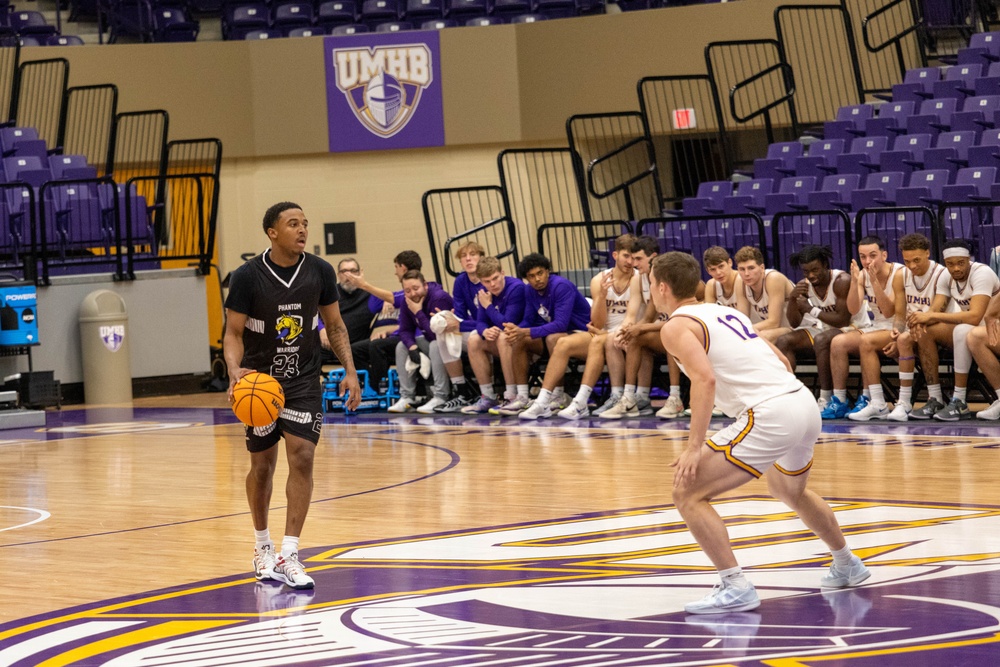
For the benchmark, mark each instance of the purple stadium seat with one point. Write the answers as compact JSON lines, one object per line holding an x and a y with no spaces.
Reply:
{"x":710,"y":196}
{"x":987,"y":152}
{"x":748,"y":196}
{"x":306,"y":32}
{"x":950,"y":152}
{"x":528,"y":18}
{"x":977,"y":114}
{"x":835,"y":192}
{"x":349,"y":29}
{"x":917,"y":86}
{"x":73,"y":219}
{"x":907,"y":153}
{"x":418,"y":11}
{"x":374,"y":12}
{"x":337,"y":12}
{"x":879,"y":190}
{"x":289,"y":15}
{"x":64,"y":40}
{"x":792,"y":195}
{"x":29,"y":169}
{"x":238,"y":20}
{"x":849,"y":123}
{"x":393,"y":26}
{"x":891,"y":119}
{"x":21,"y":141}
{"x":862,"y":158}
{"x":820,"y":159}
{"x":172,"y":25}
{"x":958,"y":82}
{"x":556,"y":9}
{"x":483,"y":21}
{"x":266,"y":33}
{"x":780,"y":155}
{"x":438,"y":24}
{"x":70,"y":167}
{"x":467,"y":9}
{"x":924,"y":188}
{"x":31,"y":23}
{"x":933,"y":117}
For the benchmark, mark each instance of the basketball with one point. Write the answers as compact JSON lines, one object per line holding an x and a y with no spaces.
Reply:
{"x":258,"y":399}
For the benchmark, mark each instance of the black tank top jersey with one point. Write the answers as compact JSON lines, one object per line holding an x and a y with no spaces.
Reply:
{"x":282,"y":307}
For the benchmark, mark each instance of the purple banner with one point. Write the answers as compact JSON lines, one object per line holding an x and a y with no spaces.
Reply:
{"x":384,"y":91}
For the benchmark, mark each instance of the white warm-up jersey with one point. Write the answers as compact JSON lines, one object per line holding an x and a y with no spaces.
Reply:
{"x":980,"y":281}
{"x":722,"y":299}
{"x":880,"y":321}
{"x":920,"y":290}
{"x":747,"y":371}
{"x":828,"y":304}
{"x":759,"y":307}
{"x":617,"y":304}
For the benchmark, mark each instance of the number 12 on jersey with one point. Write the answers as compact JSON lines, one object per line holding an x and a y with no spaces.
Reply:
{"x":740,"y":329}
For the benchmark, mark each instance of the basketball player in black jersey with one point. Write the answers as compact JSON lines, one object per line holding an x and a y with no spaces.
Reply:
{"x":272,"y":311}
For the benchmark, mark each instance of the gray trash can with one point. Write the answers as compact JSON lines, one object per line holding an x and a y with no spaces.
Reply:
{"x":107,"y":369}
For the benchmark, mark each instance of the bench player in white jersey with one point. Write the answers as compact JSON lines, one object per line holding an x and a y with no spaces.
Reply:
{"x":984,"y":342}
{"x":639,"y":339}
{"x":817,"y":309}
{"x":774,"y":433}
{"x":913,"y":290}
{"x":874,"y":286}
{"x":970,"y":285}
{"x":610,"y":292}
{"x":766,"y":292}
{"x":724,"y":287}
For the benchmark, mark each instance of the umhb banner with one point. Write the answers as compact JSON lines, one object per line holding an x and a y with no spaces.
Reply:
{"x":384,"y":91}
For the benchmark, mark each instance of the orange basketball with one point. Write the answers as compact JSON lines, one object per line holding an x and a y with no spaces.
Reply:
{"x":258,"y":399}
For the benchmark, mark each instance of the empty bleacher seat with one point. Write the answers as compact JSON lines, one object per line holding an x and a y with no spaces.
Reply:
{"x":484,"y":20}
{"x":849,"y":123}
{"x":173,"y":25}
{"x":863,"y":155}
{"x":21,"y":141}
{"x":289,"y":15}
{"x":906,"y":154}
{"x":417,"y":11}
{"x":338,"y":12}
{"x":528,"y":18}
{"x":879,"y":190}
{"x":28,"y":169}
{"x":305,"y":32}
{"x":30,"y":23}
{"x":438,"y":24}
{"x":349,"y":29}
{"x":374,"y":12}
{"x":266,"y":33}
{"x":64,"y":40}
{"x":70,"y":167}
{"x":240,"y":19}
{"x":393,"y":26}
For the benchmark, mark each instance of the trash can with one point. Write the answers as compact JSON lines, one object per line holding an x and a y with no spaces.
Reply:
{"x":107,"y":369}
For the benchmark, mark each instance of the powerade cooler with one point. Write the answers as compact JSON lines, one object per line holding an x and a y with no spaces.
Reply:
{"x":18,"y":306}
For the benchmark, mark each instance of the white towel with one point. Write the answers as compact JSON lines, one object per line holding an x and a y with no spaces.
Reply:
{"x":424,"y":366}
{"x":453,"y":341}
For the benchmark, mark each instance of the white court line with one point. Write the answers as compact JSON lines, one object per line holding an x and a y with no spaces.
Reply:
{"x":42,"y":516}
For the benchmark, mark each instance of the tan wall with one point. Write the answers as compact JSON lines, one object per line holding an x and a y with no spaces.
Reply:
{"x":503,"y":86}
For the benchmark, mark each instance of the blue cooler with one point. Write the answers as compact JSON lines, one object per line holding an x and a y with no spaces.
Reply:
{"x":18,"y":306}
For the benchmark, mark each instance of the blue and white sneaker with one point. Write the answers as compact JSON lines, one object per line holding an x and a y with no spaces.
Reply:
{"x":835,"y":409}
{"x":852,"y":575}
{"x":725,"y":598}
{"x":861,"y":404}
{"x":574,"y":412}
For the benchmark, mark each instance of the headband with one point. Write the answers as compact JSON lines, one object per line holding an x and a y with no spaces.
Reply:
{"x":955,"y":252}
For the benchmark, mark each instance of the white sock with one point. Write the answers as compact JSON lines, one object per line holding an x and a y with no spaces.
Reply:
{"x":906,"y":391}
{"x":866,"y":392}
{"x":959,"y":393}
{"x":734,"y":577}
{"x":458,"y":380}
{"x":642,"y":392}
{"x":934,"y":391}
{"x":488,"y":391}
{"x":629,"y":391}
{"x":878,"y":396}
{"x":522,"y":390}
{"x":263,"y":538}
{"x":544,"y":396}
{"x":842,"y":557}
{"x":840,"y":395}
{"x":289,"y":545}
{"x":617,"y":392}
{"x":675,"y":390}
{"x":825,"y":394}
{"x":510,"y":392}
{"x":582,"y":396}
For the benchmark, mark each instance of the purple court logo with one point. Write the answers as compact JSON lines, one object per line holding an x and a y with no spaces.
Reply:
{"x":383,"y":92}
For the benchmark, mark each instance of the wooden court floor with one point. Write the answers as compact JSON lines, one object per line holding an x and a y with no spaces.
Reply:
{"x":125,"y":538}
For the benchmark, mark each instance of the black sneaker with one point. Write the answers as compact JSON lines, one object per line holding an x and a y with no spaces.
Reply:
{"x":456,"y":404}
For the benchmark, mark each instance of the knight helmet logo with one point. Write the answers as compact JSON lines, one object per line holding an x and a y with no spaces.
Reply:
{"x":383,"y":84}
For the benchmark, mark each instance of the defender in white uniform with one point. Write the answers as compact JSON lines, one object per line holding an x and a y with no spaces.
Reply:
{"x":970,"y":285}
{"x":774,"y":433}
{"x":874,"y":285}
{"x":610,"y":292}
